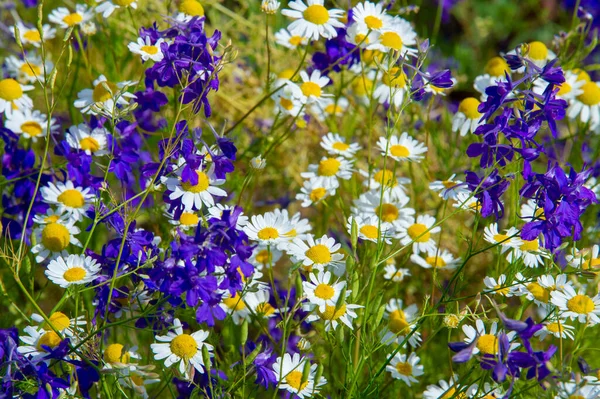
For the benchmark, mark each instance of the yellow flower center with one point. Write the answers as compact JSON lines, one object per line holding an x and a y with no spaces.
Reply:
{"x":399,"y":151}
{"x":188,"y":219}
{"x":387,"y":212}
{"x":331,"y":313}
{"x":184,"y":346}
{"x":295,"y":41}
{"x":149,"y":49}
{"x":398,"y":325}
{"x":311,"y":89}
{"x":73,"y":19}
{"x":501,"y":290}
{"x":114,"y":354}
{"x":72,"y":198}
{"x":32,"y":128}
{"x":74,"y":274}
{"x":538,"y":51}
{"x":137,"y":380}
{"x":532,"y":245}
{"x":33,"y":35}
{"x":101,"y":94}
{"x":361,"y":38}
{"x":30,"y":69}
{"x":395,"y":77}
{"x":286,"y":104}
{"x":362,"y":87}
{"x":391,"y":40}
{"x":539,"y":214}
{"x":49,"y":339}
{"x":338,"y":145}
{"x":324,"y":291}
{"x":10,"y":89}
{"x":488,"y":344}
{"x":123,"y":3}
{"x":468,"y":106}
{"x":418,"y":233}
{"x":191,"y":7}
{"x":496,"y":67}
{"x":582,"y":75}
{"x":370,"y":231}
{"x":55,"y":237}
{"x":448,"y":184}
{"x":451,"y":393}
{"x":581,"y":304}
{"x":317,"y":14}
{"x":540,"y":293}
{"x":199,"y":187}
{"x":58,"y":320}
{"x":317,"y":194}
{"x":591,"y":264}
{"x":268,"y":233}
{"x":590,"y":95}
{"x":263,"y":257}
{"x":435,"y":261}
{"x":500,"y":237}
{"x":234,"y":303}
{"x":373,"y":22}
{"x":287,"y":73}
{"x":294,"y":378}
{"x":319,"y":254}
{"x":89,"y":144}
{"x":555,"y":328}
{"x":385,"y":177}
{"x":329,"y":167}
{"x":404,"y":368}
{"x":51,"y":219}
{"x":265,"y":309}
{"x":563,"y":89}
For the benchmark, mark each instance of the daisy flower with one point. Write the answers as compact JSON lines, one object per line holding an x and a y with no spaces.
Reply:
{"x":405,"y":368}
{"x":397,"y":36}
{"x":186,"y":219}
{"x":61,"y":323}
{"x":193,"y":196}
{"x":530,"y":211}
{"x":91,"y":141}
{"x":400,"y":323}
{"x":370,"y":228}
{"x":270,"y":6}
{"x":74,"y":201}
{"x":393,"y":87}
{"x":588,"y":388}
{"x":418,"y":232}
{"x":577,"y":305}
{"x":258,"y":302}
{"x":12,"y":96}
{"x":390,"y":209}
{"x":510,"y":238}
{"x":258,"y":163}
{"x":189,"y":9}
{"x":396,"y":185}
{"x":117,"y":356}
{"x":265,"y":256}
{"x":487,"y":343}
{"x":495,"y":71}
{"x":395,"y":274}
{"x":137,"y":379}
{"x":467,"y":118}
{"x":28,"y":70}
{"x":315,"y":190}
{"x":329,"y":108}
{"x":568,"y":90}
{"x":289,"y":372}
{"x":403,"y":148}
{"x":300,"y":227}
{"x":586,"y":106}
{"x":31,"y":35}
{"x":330,"y":169}
{"x":310,"y":91}
{"x":587,"y":259}
{"x":145,"y":48}
{"x":537,"y":52}
{"x":107,"y":7}
{"x":449,"y":188}
{"x":440,"y":259}
{"x":217,"y":210}
{"x":267,"y":229}
{"x":29,"y":123}
{"x":530,"y":252}
{"x":321,"y":291}
{"x":499,"y":287}
{"x":332,"y":315}
{"x":65,"y":18}
{"x":37,"y":341}
{"x":443,"y":390}
{"x":557,"y":328}
{"x":335,"y":144}
{"x":313,"y":20}
{"x":186,"y":349}
{"x":104,"y":98}
{"x":53,"y":240}
{"x":363,"y":86}
{"x":236,"y":307}
{"x":287,"y":101}
{"x":359,"y":35}
{"x":467,"y":201}
{"x":372,"y":16}
{"x":318,"y":254}
{"x":286,"y":39}
{"x":74,"y":270}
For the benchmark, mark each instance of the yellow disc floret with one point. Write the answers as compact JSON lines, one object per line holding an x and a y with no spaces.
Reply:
{"x":184,"y":346}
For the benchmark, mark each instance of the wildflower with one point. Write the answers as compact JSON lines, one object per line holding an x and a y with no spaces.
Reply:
{"x":486,"y":343}
{"x":195,"y":191}
{"x":28,"y":70}
{"x":395,"y":274}
{"x":289,"y":373}
{"x":321,"y":291}
{"x":396,"y":36}
{"x":370,"y":228}
{"x":577,"y":305}
{"x":359,"y":35}
{"x":270,"y":6}
{"x":318,"y":254}
{"x":267,"y":229}
{"x":316,"y":190}
{"x":569,"y":90}
{"x":332,"y":315}
{"x":466,"y":200}
{"x":488,"y":191}
{"x":53,"y":239}
{"x":31,"y":35}
{"x":530,"y":252}
{"x":498,"y":287}
{"x":439,"y":259}
{"x":189,"y":9}
{"x":587,"y":259}
{"x":400,"y":324}
{"x":467,"y":118}
{"x":258,"y":162}
{"x":586,"y":106}
{"x":335,"y":144}
{"x":392,"y":88}
{"x":107,"y":7}
{"x":444,"y":389}
{"x":371,"y":15}
{"x":449,"y":188}
{"x":65,"y":18}
{"x":217,"y":211}
{"x":396,"y":185}
{"x":38,"y":343}
{"x":235,"y":306}
{"x":91,"y":141}
{"x":104,"y":98}
{"x":585,"y":389}
{"x":311,"y":89}
{"x":418,"y":232}
{"x":287,"y":100}
{"x":405,"y":368}
{"x":284,"y":38}
{"x":557,"y":328}
{"x":259,"y":303}
{"x":74,"y":270}
{"x":536,"y":52}
{"x":146,"y":49}
{"x":330,"y":169}
{"x":29,"y":123}
{"x":74,"y":201}
{"x":530,"y":211}
{"x":117,"y":356}
{"x":186,"y":219}
{"x":403,"y":148}
{"x":389,"y":209}
{"x":495,"y":71}
{"x":12,"y":96}
{"x":312,"y":19}
{"x":186,"y":349}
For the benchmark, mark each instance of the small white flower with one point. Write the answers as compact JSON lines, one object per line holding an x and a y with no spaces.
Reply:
{"x":270,"y":6}
{"x":72,"y":200}
{"x":403,"y":148}
{"x":321,"y":290}
{"x":577,"y":305}
{"x":499,"y":287}
{"x":315,"y":190}
{"x":312,"y":20}
{"x":74,"y":270}
{"x":437,"y":258}
{"x":107,"y":7}
{"x":330,"y":169}
{"x":467,"y":118}
{"x":13,"y":97}
{"x":335,"y":144}
{"x":31,"y":35}
{"x":29,"y":123}
{"x":145,"y":48}
{"x":318,"y":254}
{"x":91,"y":141}
{"x":65,"y":18}
{"x":193,"y":196}
{"x":104,"y":98}
{"x":449,"y":188}
{"x":258,"y":162}
{"x":401,"y":322}
{"x":418,"y":232}
{"x":405,"y":368}
{"x":288,"y":371}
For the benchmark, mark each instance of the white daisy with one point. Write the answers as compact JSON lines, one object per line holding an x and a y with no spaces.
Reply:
{"x":530,"y":252}
{"x":286,"y":39}
{"x":91,"y":141}
{"x":258,"y":302}
{"x":193,"y":196}
{"x":536,"y":51}
{"x":270,"y":6}
{"x":403,"y":148}
{"x":104,"y":98}
{"x":265,"y":256}
{"x":389,"y":208}
{"x":467,"y":118}
{"x":107,"y":7}
{"x":396,"y":185}
{"x":393,"y":87}
{"x":577,"y":305}
{"x":466,"y":200}
{"x":568,"y":90}
{"x":510,"y":238}
{"x":61,"y":323}
{"x":321,"y":290}
{"x":28,"y":70}
{"x":31,"y":35}
{"x":330,"y":169}
{"x":372,"y":16}
{"x":145,"y":48}
{"x":136,"y":379}
{"x":12,"y":96}
{"x":397,"y":275}
{"x":557,"y":328}
{"x":359,"y":35}
{"x":72,"y":200}
{"x":289,"y":372}
{"x":370,"y":228}
{"x":29,"y":123}
{"x":531,"y":211}
{"x":449,"y":188}
{"x":439,"y":259}
{"x":116,"y":356}
{"x":400,"y":323}
{"x":287,"y":101}
{"x":216,"y":211}
{"x":300,"y":227}
{"x":267,"y":229}
{"x":37,"y":342}
{"x":586,"y":106}
{"x":310,"y":90}
{"x":312,"y":19}
{"x":405,"y":368}
{"x":443,"y":390}
{"x":236,"y":306}
{"x":65,"y":18}
{"x":332,"y":315}
{"x":189,"y":9}
{"x":487,"y":343}
{"x":587,"y":259}
{"x":330,"y":108}
{"x":438,"y":91}
{"x":186,"y":349}
{"x":396,"y":36}
{"x":499,"y":287}
{"x":335,"y":144}
{"x":315,"y":190}
{"x":318,"y":254}
{"x":74,"y":270}
{"x":535,"y":290}
{"x":53,"y":240}
{"x":418,"y":232}
{"x":185,"y":219}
